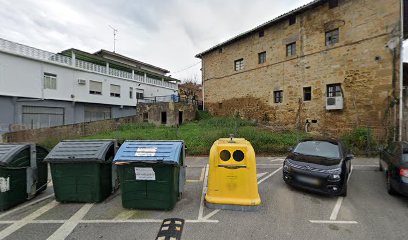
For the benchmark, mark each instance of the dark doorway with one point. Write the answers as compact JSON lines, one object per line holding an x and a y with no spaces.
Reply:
{"x":145,"y":117}
{"x":180,"y":117}
{"x":164,"y":117}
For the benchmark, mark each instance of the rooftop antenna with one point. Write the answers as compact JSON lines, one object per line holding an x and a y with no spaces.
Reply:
{"x":115,"y":32}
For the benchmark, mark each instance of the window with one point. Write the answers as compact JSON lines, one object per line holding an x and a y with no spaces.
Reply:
{"x":239,"y":64}
{"x":97,"y":113}
{"x":115,"y":90}
{"x":333,"y":3}
{"x":261,"y":33}
{"x":42,"y":117}
{"x":292,"y":20}
{"x":95,"y":87}
{"x":291,"y":49}
{"x":261,"y":57}
{"x":139,"y":93}
{"x":50,"y":81}
{"x":307,"y":93}
{"x":332,"y":37}
{"x":334,"y":90}
{"x":278,"y":96}
{"x":131,"y":93}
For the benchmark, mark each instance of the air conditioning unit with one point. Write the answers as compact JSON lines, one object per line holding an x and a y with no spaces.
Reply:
{"x":81,"y":82}
{"x":334,"y":103}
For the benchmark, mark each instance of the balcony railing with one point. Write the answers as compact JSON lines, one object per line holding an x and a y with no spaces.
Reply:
{"x":30,"y":52}
{"x":172,"y":98}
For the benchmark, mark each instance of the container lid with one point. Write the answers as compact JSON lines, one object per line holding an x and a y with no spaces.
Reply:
{"x":166,"y":152}
{"x":80,"y":151}
{"x":9,"y":151}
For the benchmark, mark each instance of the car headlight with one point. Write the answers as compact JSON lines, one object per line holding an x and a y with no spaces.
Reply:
{"x":285,"y":166}
{"x":334,"y":177}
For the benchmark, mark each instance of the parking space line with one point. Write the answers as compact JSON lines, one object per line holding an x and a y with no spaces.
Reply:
{"x":336,"y":209}
{"x":201,"y":209}
{"x":201,"y":177}
{"x":329,"y":221}
{"x":21,"y":223}
{"x":25,"y":205}
{"x":144,"y":221}
{"x":269,"y":175}
{"x":259,"y":182}
{"x":63,"y":231}
{"x":125,"y":215}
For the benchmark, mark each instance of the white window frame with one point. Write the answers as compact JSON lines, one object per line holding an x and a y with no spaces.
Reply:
{"x":94,"y":87}
{"x":50,"y":81}
{"x":239,"y":64}
{"x":115,"y":90}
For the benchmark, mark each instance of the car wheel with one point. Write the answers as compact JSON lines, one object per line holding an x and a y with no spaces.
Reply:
{"x":380,"y":166}
{"x":390,"y":189}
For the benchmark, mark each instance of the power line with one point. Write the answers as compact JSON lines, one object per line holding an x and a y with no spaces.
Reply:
{"x":186,"y":68}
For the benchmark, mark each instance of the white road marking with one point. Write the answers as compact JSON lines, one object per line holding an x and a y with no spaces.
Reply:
{"x":269,"y":175}
{"x":201,"y":209}
{"x":125,"y":215}
{"x":259,"y":182}
{"x":335,"y":222}
{"x":201,"y":177}
{"x":25,"y":205}
{"x":259,"y":175}
{"x":273,"y":165}
{"x":21,"y":223}
{"x":278,"y":160}
{"x":145,"y":221}
{"x":63,"y":231}
{"x":336,"y":209}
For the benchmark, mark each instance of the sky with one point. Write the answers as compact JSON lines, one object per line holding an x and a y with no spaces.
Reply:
{"x":164,"y":33}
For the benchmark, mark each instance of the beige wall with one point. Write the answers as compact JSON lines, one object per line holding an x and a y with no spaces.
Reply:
{"x":365,"y":28}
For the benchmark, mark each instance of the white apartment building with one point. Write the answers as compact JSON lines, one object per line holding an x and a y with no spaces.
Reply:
{"x":43,"y":89}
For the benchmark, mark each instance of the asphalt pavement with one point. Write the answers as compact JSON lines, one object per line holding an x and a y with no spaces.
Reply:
{"x":368,"y":212}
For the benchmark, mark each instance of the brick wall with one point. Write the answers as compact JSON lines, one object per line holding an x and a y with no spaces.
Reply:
{"x":56,"y":134}
{"x":360,"y":62}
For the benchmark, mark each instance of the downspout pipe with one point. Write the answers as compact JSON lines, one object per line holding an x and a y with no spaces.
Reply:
{"x":401,"y":102}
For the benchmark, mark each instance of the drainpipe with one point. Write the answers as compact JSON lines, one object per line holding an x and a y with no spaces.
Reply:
{"x":401,"y":114}
{"x":202,"y":80}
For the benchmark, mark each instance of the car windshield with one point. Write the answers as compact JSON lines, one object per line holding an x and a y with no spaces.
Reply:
{"x":318,"y":148}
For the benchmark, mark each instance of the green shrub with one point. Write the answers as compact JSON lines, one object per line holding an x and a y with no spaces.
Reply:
{"x":359,"y":140}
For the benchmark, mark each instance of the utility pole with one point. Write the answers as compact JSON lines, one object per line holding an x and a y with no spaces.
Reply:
{"x":115,"y":32}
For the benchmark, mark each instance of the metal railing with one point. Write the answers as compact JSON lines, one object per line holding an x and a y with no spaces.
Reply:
{"x":30,"y":52}
{"x":172,"y":98}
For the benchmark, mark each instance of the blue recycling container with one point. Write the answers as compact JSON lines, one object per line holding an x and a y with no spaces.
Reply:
{"x":151,"y":173}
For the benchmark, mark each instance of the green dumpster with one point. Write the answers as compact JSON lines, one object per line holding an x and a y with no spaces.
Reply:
{"x":151,"y":173}
{"x":23,"y":173}
{"x":82,"y":170}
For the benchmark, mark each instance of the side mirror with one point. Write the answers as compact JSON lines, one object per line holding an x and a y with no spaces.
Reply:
{"x":290,"y":149}
{"x":349,"y":157}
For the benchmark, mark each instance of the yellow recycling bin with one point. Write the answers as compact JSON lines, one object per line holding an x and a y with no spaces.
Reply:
{"x":232,"y":180}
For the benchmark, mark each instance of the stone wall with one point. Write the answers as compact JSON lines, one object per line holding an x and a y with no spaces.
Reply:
{"x":152,"y":112}
{"x":360,"y":62}
{"x":56,"y":134}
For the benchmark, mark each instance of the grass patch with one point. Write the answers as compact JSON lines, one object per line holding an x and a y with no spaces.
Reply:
{"x":200,"y":135}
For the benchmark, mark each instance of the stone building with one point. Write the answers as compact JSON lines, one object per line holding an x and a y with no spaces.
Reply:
{"x":331,"y":63}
